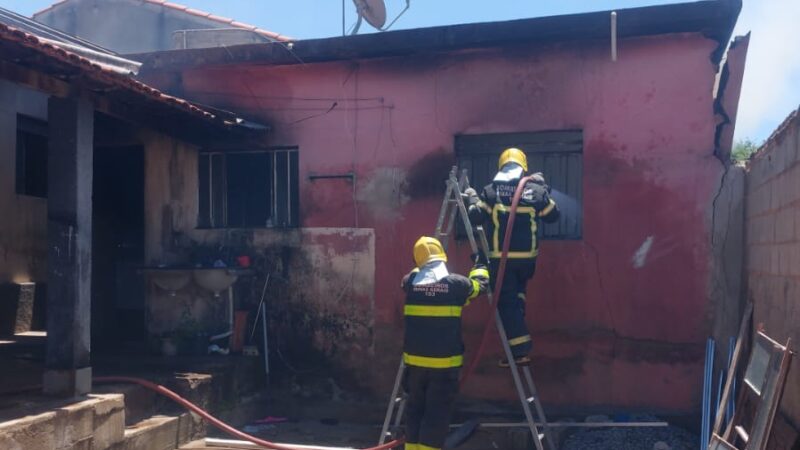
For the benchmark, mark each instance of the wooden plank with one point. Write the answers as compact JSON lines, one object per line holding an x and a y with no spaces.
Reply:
{"x":737,"y":350}
{"x":717,"y":443}
{"x":35,"y":80}
{"x":762,"y":424}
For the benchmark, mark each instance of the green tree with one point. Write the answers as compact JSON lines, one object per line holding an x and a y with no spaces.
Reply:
{"x":743,"y":149}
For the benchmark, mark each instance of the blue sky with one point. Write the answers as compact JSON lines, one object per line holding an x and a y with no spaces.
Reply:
{"x":772,"y":77}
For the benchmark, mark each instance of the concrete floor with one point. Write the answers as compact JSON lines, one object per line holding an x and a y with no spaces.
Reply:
{"x":317,"y":410}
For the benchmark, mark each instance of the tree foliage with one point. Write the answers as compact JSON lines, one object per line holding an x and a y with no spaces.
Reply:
{"x":743,"y":149}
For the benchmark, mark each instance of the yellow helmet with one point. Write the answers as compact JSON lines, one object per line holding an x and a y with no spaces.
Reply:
{"x":428,"y":249}
{"x":514,"y":155}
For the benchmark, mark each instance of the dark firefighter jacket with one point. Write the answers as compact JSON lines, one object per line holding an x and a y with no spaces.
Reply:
{"x":535,"y":205}
{"x":433,"y":317}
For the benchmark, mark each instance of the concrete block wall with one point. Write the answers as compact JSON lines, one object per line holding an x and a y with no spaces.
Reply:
{"x":773,"y":246}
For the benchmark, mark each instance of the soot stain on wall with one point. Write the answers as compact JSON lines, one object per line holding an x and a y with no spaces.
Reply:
{"x":427,"y":176}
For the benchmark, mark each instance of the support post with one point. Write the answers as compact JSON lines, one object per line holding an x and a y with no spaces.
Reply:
{"x":69,"y":238}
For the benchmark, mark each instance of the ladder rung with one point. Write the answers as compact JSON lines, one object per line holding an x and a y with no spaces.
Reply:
{"x":531,"y":399}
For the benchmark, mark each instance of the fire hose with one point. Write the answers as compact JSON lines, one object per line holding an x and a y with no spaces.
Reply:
{"x":216,"y":423}
{"x":222,"y":426}
{"x":498,"y":283}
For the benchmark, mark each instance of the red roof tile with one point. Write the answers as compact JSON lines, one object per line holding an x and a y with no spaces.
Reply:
{"x":97,"y":73}
{"x":194,"y":12}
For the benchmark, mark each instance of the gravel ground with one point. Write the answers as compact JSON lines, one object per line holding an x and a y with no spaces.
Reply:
{"x":662,"y":438}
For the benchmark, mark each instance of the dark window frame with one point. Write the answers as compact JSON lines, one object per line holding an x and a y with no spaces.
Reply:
{"x":557,"y":154}
{"x":31,"y":131}
{"x":214,"y":188}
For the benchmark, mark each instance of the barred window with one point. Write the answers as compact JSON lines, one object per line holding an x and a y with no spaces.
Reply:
{"x":248,"y":189}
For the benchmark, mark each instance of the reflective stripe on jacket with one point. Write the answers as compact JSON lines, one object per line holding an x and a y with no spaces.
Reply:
{"x":495,"y":203}
{"x":433,"y":318}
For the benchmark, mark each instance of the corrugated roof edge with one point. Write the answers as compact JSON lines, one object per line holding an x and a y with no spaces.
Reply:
{"x":99,"y":73}
{"x":194,"y":12}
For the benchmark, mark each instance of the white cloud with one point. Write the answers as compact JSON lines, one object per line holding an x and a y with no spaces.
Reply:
{"x":771,"y":88}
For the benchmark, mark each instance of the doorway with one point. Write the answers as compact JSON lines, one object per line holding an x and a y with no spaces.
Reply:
{"x":118,"y":290}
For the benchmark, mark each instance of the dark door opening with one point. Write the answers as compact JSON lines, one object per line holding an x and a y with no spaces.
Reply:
{"x":118,"y":293}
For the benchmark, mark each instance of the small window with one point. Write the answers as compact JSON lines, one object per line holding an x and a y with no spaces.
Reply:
{"x":557,"y":154}
{"x":31,"y":173}
{"x":248,"y":189}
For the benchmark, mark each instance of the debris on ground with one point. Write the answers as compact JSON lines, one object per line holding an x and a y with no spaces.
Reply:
{"x":656,"y":438}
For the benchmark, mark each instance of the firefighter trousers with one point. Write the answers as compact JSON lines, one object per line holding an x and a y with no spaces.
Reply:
{"x":431,"y":394}
{"x":511,"y":304}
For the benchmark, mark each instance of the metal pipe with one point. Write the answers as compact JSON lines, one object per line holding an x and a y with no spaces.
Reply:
{"x":348,"y":175}
{"x":408,"y":5}
{"x":266,"y":344}
{"x":571,"y":425}
{"x":613,"y":35}
{"x":220,"y":336}
{"x":230,"y":315}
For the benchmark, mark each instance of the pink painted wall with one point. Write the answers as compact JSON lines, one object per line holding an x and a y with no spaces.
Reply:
{"x":606,"y":332}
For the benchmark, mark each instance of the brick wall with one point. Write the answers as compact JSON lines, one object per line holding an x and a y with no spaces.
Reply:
{"x":773,"y":246}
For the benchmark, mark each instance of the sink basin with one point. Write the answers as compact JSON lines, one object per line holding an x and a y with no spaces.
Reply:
{"x":170,"y":280}
{"x":215,"y":280}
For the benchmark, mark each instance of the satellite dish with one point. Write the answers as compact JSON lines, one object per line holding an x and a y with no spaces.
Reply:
{"x":373,"y":11}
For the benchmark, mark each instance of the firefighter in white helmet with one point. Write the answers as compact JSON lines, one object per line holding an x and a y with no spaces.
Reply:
{"x":492,"y":208}
{"x":432,"y":348}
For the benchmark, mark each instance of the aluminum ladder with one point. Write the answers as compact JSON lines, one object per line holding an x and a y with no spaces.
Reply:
{"x":452,"y":208}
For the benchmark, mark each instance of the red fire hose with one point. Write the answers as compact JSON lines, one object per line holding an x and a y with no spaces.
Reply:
{"x":498,"y":284}
{"x":218,"y":424}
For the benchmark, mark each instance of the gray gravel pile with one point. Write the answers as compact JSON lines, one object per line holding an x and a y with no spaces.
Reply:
{"x":661,"y":438}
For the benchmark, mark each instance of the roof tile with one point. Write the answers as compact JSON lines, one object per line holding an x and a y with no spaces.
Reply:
{"x":220,"y":19}
{"x":196,"y":12}
{"x":99,"y":73}
{"x":245,"y":26}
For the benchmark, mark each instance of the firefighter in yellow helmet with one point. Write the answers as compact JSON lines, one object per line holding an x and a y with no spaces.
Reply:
{"x":492,"y":208}
{"x":432,"y":348}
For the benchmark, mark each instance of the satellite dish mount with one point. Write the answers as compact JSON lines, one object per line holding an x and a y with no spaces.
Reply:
{"x":374,"y":12}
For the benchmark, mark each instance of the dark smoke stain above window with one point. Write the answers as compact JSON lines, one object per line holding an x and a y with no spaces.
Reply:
{"x":31,"y":170}
{"x":557,"y":154}
{"x":248,"y":189}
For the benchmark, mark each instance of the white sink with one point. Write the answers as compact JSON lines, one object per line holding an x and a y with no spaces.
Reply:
{"x":170,"y":280}
{"x":215,"y":280}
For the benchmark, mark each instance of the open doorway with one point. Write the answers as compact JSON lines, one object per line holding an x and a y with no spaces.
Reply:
{"x":118,"y":294}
